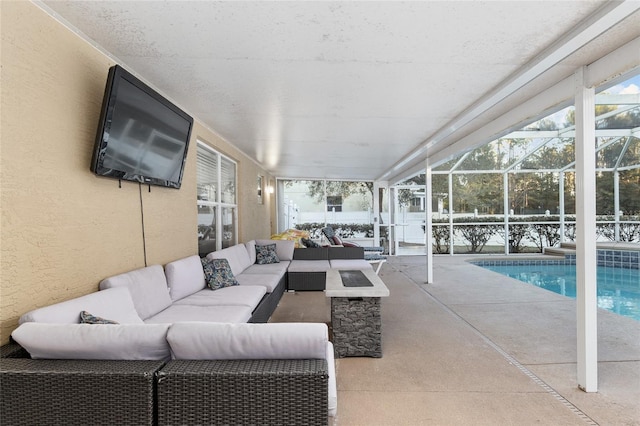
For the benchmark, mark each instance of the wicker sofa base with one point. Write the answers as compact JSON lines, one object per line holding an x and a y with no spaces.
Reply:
{"x":238,"y":392}
{"x":241,"y":392}
{"x":307,"y":281}
{"x":72,"y":392}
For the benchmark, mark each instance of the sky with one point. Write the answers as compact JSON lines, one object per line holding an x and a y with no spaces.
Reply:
{"x":628,"y":87}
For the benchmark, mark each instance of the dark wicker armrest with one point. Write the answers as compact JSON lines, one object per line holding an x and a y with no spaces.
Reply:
{"x":68,"y":392}
{"x":13,"y":350}
{"x":242,"y":392}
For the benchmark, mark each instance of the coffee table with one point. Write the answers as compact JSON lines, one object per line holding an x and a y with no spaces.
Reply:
{"x":355,"y":312}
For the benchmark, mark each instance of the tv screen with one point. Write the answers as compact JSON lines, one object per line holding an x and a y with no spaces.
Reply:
{"x":142,"y":136}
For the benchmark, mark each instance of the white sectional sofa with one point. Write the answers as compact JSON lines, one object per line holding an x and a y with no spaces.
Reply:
{"x":167,"y":314}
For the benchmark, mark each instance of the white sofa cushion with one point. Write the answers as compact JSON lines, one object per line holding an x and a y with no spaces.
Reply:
{"x":350,"y":264}
{"x":309,"y":266}
{"x":237,"y":295}
{"x":248,"y":341}
{"x":284,"y":248}
{"x":115,"y":304}
{"x":237,"y":256}
{"x":94,"y":341}
{"x":269,"y":269}
{"x":269,"y":281}
{"x":148,"y":287}
{"x":227,"y":313}
{"x":184,"y":277}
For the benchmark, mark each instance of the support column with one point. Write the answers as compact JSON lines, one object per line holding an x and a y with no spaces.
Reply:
{"x":616,"y":203}
{"x":561,"y":204}
{"x":376,"y":213}
{"x":505,"y":210}
{"x":428,"y":220}
{"x":450,"y":179}
{"x":586,"y":254}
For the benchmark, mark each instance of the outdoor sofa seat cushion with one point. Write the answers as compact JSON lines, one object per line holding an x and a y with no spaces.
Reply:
{"x":148,"y":287}
{"x":237,"y":295}
{"x":226,"y":313}
{"x":184,"y":277}
{"x":115,"y":304}
{"x":350,"y":264}
{"x":269,"y":281}
{"x":268,"y":269}
{"x":237,"y":256}
{"x":309,"y":265}
{"x":94,"y":341}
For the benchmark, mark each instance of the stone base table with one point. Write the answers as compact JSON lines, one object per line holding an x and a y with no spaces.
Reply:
{"x":355,"y":312}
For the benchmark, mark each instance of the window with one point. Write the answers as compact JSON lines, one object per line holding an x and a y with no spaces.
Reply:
{"x":311,"y":204}
{"x":334,"y":203}
{"x":216,"y":199}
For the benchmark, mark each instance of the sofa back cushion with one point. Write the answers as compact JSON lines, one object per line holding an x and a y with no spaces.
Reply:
{"x":94,"y":341}
{"x":115,"y":304}
{"x":200,"y":341}
{"x":284,"y":248}
{"x":148,"y":287}
{"x":237,"y":256}
{"x":184,"y":277}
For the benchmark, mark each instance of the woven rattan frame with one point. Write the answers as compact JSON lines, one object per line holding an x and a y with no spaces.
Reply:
{"x":243,"y":392}
{"x":73,"y":392}
{"x":269,"y":303}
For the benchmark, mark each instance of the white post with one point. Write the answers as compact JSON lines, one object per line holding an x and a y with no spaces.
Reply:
{"x":428,"y":220}
{"x":376,"y":213}
{"x":450,"y":179}
{"x":586,"y":255}
{"x":616,"y":203}
{"x":505,"y":210}
{"x":561,"y":204}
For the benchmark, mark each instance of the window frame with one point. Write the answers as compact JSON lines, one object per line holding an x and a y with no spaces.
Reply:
{"x":217,"y":204}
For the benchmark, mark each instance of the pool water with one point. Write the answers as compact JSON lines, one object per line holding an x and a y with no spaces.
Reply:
{"x":618,"y":289}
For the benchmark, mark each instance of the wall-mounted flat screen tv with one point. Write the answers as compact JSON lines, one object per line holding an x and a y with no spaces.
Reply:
{"x":142,"y":136}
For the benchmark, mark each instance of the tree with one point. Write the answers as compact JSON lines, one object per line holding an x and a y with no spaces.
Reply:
{"x":316,"y":188}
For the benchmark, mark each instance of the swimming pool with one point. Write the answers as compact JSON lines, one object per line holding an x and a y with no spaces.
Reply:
{"x":618,"y":289}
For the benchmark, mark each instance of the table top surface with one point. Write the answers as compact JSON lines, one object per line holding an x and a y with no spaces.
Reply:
{"x":334,"y":287}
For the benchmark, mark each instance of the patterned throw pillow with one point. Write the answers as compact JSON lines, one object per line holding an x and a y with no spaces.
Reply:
{"x":310,"y":243}
{"x":217,"y":273}
{"x":87,"y":318}
{"x":266,"y":254}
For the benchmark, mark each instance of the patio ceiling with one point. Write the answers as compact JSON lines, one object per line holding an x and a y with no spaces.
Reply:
{"x":350,"y":90}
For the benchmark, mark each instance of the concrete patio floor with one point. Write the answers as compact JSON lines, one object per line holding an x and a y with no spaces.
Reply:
{"x":478,"y":348}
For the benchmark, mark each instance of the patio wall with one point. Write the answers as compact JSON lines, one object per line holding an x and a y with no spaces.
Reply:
{"x":63,"y":229}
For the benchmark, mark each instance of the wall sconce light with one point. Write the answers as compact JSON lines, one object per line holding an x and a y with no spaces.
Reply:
{"x":270,"y":189}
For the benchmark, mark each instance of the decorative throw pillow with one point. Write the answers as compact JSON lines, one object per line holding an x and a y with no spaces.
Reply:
{"x":217,"y":273}
{"x":337,"y":241}
{"x":310,"y":243}
{"x":87,"y":318}
{"x":266,"y":254}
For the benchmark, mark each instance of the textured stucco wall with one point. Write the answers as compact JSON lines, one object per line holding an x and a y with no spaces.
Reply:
{"x":64,"y":229}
